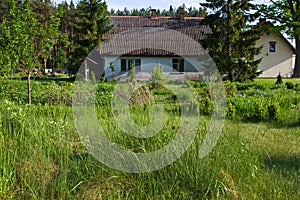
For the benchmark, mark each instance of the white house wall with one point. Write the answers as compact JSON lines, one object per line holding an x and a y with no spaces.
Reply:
{"x":276,"y":62}
{"x":148,"y":63}
{"x":192,"y":64}
{"x":116,"y":64}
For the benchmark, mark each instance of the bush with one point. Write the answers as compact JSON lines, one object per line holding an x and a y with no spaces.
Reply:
{"x":273,"y":110}
{"x":49,"y":92}
{"x":279,"y":80}
{"x":231,"y":111}
{"x":289,"y":85}
{"x":297,"y":87}
{"x":157,"y":76}
{"x":230,"y":88}
{"x":247,"y":86}
{"x":205,"y":106}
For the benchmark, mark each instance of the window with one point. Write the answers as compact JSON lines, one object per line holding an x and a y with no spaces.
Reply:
{"x":123,"y":64}
{"x":272,"y":46}
{"x":126,"y":64}
{"x":138,"y":65}
{"x":178,"y":64}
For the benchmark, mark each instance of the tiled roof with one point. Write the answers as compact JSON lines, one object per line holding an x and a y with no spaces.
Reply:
{"x":155,"y":36}
{"x":150,"y":41}
{"x":150,"y":52}
{"x":191,"y":26}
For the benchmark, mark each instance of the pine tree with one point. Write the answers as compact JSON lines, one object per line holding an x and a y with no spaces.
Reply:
{"x":232,"y":42}
{"x":65,"y":45}
{"x":91,"y":23}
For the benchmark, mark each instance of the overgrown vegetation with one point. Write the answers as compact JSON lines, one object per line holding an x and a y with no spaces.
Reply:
{"x":257,"y":155}
{"x":42,"y":157}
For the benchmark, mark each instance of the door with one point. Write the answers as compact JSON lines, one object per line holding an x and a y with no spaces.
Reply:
{"x":123,"y":65}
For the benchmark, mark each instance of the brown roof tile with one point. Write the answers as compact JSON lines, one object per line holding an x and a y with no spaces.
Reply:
{"x":162,"y":36}
{"x":191,"y":26}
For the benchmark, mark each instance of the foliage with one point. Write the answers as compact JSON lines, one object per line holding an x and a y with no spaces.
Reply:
{"x":289,"y":85}
{"x":26,"y":40}
{"x":232,"y":43}
{"x":279,"y":80}
{"x":191,"y":11}
{"x":43,"y":92}
{"x":65,"y":46}
{"x":157,"y":76}
{"x":230,"y":88}
{"x":92,"y":23}
{"x":274,"y":110}
{"x":297,"y":87}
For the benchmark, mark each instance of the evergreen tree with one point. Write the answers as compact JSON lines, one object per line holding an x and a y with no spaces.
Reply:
{"x":65,"y":44}
{"x":91,"y":23}
{"x":135,"y":12}
{"x":232,"y":42}
{"x":181,"y":9}
{"x":171,"y":11}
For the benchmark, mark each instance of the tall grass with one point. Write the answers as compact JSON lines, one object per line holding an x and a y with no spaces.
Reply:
{"x":43,"y":158}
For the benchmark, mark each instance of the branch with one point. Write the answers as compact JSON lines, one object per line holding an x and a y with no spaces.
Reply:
{"x":278,"y":19}
{"x":290,"y":2}
{"x":275,"y":3}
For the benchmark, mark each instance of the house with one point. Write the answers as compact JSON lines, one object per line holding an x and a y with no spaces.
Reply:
{"x":277,"y":55}
{"x":143,"y":42}
{"x":146,"y":41}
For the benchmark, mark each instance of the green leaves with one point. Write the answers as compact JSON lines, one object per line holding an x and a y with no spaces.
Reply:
{"x":232,"y":42}
{"x":90,"y":24}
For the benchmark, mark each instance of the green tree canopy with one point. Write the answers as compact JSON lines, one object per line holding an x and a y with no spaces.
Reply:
{"x":92,"y":22}
{"x":26,"y":41}
{"x":232,"y":42}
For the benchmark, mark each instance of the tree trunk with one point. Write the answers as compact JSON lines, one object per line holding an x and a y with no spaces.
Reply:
{"x":28,"y":89}
{"x":11,"y":73}
{"x":45,"y":64}
{"x":296,"y":73}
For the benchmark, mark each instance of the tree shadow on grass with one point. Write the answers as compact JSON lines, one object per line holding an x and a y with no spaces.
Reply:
{"x":282,"y":162}
{"x":291,"y":123}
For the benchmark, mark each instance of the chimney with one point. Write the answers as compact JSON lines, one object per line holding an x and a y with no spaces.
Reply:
{"x":153,"y":14}
{"x":181,"y":18}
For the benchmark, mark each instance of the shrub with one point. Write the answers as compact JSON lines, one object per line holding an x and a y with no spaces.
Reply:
{"x":205,"y":106}
{"x":231,"y":111}
{"x":41,"y":92}
{"x":273,"y":110}
{"x":289,"y":85}
{"x":230,"y":88}
{"x":157,"y":76}
{"x":103,"y":94}
{"x":279,"y":80}
{"x":297,"y":87}
{"x":246,"y":86}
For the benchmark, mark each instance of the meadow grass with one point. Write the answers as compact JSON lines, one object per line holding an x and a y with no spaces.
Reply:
{"x":43,"y":158}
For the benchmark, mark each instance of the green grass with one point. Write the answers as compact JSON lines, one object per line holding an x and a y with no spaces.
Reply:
{"x":43,"y":158}
{"x":271,"y":81}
